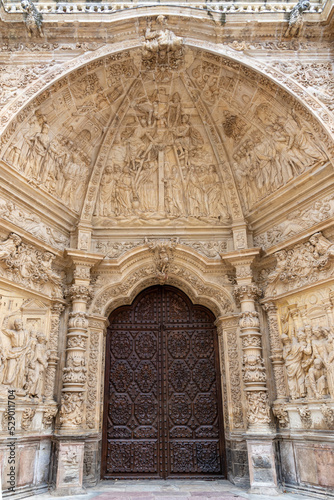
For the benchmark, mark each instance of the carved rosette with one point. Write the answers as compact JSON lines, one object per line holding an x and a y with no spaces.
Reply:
{"x":276,"y":352}
{"x":56,"y":311}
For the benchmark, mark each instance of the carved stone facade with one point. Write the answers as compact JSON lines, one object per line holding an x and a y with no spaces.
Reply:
{"x":168,"y":145}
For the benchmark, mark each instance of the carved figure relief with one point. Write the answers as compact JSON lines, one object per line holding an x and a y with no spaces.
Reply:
{"x":296,"y":221}
{"x":24,"y":264}
{"x":160,"y":169}
{"x":308,"y":356}
{"x":304,"y":263}
{"x":32,"y":224}
{"x":161,"y":47}
{"x":24,"y":357}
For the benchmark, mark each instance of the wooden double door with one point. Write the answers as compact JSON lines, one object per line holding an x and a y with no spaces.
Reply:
{"x":162,"y":409}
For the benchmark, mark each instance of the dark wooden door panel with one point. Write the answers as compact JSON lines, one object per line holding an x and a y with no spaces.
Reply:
{"x":162,"y":414}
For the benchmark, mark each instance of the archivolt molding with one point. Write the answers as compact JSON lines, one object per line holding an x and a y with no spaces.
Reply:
{"x":235,"y":64}
{"x":109,"y":296}
{"x":17,"y":110}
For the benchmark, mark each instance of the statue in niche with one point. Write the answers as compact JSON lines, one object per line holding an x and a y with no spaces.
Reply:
{"x":316,"y":380}
{"x":309,"y":356}
{"x":14,"y":374}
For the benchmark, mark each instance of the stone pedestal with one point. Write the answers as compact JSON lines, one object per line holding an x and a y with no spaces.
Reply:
{"x":262,"y":469}
{"x":68,"y":458}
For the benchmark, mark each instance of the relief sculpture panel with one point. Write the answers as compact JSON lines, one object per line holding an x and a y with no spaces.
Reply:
{"x":24,"y":349}
{"x":307,"y":335}
{"x":161,"y":167}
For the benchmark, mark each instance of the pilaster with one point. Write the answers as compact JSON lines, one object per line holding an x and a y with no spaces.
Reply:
{"x":276,"y":351}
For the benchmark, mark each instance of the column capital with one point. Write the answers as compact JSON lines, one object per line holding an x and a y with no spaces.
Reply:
{"x":269,"y":307}
{"x":223,"y":322}
{"x":242,"y":261}
{"x":247,"y":292}
{"x":79,"y":292}
{"x":83,"y":258}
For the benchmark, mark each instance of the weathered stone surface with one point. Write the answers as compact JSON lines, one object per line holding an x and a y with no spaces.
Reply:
{"x":167,"y":145}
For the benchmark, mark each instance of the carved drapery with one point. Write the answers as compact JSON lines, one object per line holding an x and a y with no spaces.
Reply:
{"x":276,"y":352}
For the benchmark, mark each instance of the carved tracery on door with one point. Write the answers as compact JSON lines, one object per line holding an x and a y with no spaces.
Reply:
{"x":162,"y":410}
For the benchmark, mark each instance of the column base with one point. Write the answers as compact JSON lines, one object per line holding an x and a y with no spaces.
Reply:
{"x":264,"y":490}
{"x":67,"y":467}
{"x":65,"y":492}
{"x":262,"y":466}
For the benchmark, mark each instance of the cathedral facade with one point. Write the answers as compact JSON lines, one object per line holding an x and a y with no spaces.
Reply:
{"x":166,"y":244}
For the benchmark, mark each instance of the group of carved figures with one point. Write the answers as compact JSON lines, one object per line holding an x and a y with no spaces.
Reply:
{"x":52,"y":163}
{"x":264,"y":164}
{"x":128,"y":192}
{"x":301,"y":264}
{"x":309,"y":362}
{"x":25,"y":264}
{"x":23,"y":361}
{"x":164,"y":167}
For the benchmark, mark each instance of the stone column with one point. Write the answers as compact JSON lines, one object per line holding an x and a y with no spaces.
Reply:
{"x":260,"y":444}
{"x":68,"y":473}
{"x":276,"y":351}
